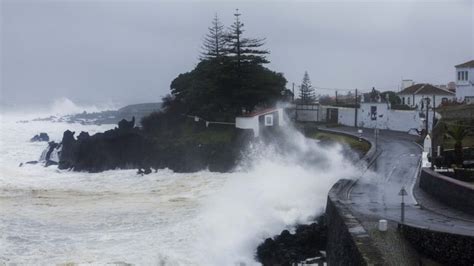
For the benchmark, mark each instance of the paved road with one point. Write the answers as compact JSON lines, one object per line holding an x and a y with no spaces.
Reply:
{"x":397,"y":165}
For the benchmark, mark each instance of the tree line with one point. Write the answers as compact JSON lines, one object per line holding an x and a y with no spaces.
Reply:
{"x":230,"y":78}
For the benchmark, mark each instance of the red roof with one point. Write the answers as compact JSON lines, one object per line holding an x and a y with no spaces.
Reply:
{"x":260,"y":112}
{"x":425,"y":89}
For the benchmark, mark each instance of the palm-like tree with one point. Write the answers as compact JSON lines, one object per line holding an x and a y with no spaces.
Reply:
{"x":458,"y":132}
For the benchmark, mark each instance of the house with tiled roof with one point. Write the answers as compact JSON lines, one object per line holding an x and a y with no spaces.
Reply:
{"x":416,"y":96}
{"x":261,"y":120}
{"x":465,"y":82}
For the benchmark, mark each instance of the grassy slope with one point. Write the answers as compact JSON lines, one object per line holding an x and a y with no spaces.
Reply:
{"x":360,"y":146}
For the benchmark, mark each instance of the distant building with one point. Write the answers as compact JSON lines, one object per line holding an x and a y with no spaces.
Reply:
{"x":260,"y":120}
{"x":452,"y":86}
{"x":417,"y":95}
{"x":465,"y":82}
{"x":407,"y":83}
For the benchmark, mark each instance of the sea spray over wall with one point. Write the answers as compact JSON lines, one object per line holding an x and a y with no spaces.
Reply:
{"x":52,"y":216}
{"x":279,"y":184}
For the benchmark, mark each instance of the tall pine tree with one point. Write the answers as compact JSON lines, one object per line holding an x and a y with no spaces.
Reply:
{"x":307,"y":94}
{"x":244,"y":50}
{"x":214,"y":41}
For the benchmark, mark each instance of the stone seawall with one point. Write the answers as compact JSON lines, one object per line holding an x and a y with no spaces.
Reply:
{"x":449,"y":249}
{"x":348,"y":241}
{"x":454,"y":193}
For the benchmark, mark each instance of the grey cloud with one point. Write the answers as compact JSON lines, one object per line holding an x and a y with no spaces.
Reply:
{"x":95,"y":51}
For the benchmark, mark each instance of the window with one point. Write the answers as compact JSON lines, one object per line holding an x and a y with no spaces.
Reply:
{"x":268,"y":120}
{"x":463,"y":75}
{"x":403,"y":100}
{"x":408,"y":100}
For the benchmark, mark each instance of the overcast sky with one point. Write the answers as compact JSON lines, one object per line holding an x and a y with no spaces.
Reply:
{"x":129,"y":51}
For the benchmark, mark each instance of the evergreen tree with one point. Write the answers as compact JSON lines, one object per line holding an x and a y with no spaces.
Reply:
{"x":214,"y":42}
{"x":244,"y":50}
{"x":307,"y":93}
{"x":230,"y":77}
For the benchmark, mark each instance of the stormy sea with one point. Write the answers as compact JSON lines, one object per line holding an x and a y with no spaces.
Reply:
{"x":52,"y":216}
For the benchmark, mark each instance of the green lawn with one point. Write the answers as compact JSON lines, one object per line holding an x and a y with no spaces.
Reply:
{"x":360,"y":146}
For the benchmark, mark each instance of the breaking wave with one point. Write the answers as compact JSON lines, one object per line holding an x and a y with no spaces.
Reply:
{"x":52,"y":216}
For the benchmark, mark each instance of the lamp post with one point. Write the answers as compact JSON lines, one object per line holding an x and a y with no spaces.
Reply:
{"x":402,"y":193}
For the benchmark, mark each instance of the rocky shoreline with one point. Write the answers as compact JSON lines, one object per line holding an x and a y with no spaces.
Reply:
{"x":131,"y":147}
{"x":307,"y":244}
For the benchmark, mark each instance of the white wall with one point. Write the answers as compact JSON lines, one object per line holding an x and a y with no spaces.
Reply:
{"x":307,"y":115}
{"x":364,"y":117}
{"x":419,"y":98}
{"x":465,"y":88}
{"x":248,"y":123}
{"x":252,"y":122}
{"x":397,"y":120}
{"x":346,"y":116}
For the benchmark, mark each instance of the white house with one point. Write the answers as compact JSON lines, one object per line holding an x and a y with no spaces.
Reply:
{"x":417,"y":95}
{"x":465,"y":82}
{"x":260,"y":120}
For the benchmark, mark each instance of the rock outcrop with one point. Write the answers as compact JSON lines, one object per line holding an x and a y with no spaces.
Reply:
{"x":289,"y":249}
{"x":129,"y":147}
{"x":40,"y":137}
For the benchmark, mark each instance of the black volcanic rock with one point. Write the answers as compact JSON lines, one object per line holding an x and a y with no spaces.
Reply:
{"x":40,"y":137}
{"x":183,"y":148}
{"x":126,"y":125}
{"x":288,"y":249}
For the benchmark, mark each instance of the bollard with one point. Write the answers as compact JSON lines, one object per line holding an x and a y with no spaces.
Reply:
{"x":383,"y":225}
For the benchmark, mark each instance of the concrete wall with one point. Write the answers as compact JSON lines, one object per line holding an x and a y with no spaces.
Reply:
{"x":346,"y":116}
{"x":348,"y":242}
{"x":248,"y":123}
{"x":307,"y":115}
{"x":457,"y":194}
{"x":386,"y":118}
{"x":448,"y":249}
{"x":365,"y":117}
{"x":399,"y":120}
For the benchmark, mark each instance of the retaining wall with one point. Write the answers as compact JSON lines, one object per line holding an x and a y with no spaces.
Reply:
{"x":452,"y":192}
{"x":348,"y":241}
{"x":449,"y":249}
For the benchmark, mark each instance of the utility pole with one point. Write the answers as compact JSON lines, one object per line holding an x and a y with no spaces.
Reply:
{"x":356,"y":109}
{"x":426,"y":106}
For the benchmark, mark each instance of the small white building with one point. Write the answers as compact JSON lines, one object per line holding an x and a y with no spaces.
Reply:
{"x":407,"y":83}
{"x":260,"y":120}
{"x":417,"y":95}
{"x":465,"y":82}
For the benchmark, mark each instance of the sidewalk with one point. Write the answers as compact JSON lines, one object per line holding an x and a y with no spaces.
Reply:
{"x":428,"y":202}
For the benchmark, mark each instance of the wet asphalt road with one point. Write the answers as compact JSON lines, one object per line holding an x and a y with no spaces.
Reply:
{"x":398,"y":163}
